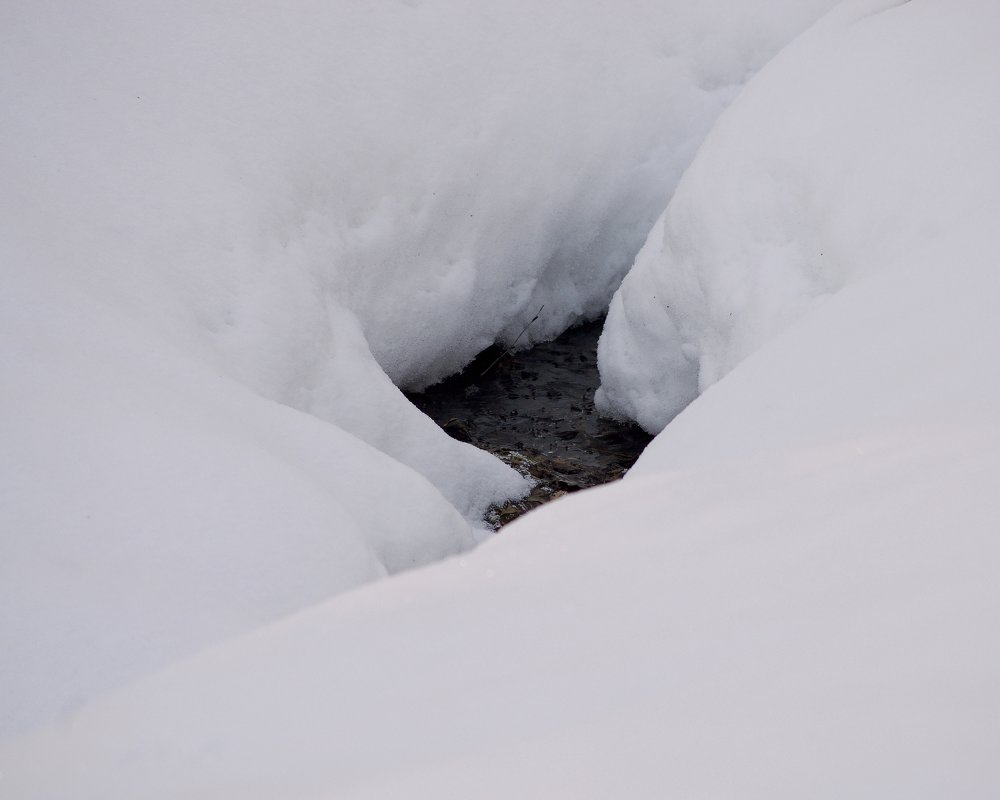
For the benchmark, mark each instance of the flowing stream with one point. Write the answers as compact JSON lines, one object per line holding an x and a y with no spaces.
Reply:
{"x":535,"y":410}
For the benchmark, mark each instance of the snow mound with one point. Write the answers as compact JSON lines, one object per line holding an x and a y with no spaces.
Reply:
{"x":151,"y":507}
{"x":781,"y":644}
{"x":218,"y":216}
{"x":792,"y":595}
{"x":820,"y":175}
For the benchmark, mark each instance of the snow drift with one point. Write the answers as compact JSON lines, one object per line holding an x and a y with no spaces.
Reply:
{"x":765,"y":633}
{"x":219,"y":216}
{"x":816,"y":180}
{"x":157,"y":507}
{"x":793,"y":594}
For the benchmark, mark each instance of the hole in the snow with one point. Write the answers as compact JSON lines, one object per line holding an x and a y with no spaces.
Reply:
{"x":535,"y":410}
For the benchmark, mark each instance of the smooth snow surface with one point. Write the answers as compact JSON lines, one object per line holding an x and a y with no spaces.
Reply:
{"x":157,"y":507}
{"x":818,"y":177}
{"x":793,"y":595}
{"x":218,"y":216}
{"x":782,"y":629}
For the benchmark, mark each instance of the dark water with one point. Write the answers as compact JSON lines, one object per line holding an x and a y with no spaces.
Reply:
{"x":535,"y":410}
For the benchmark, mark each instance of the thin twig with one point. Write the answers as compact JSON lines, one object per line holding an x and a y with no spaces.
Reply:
{"x":512,"y":344}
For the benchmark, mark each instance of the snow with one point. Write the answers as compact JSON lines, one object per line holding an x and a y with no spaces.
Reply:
{"x":156,"y":507}
{"x":866,"y":168}
{"x":787,"y":627}
{"x":793,"y":594}
{"x":230,"y":228}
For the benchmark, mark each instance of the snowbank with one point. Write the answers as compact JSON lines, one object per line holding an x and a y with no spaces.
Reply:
{"x":800,"y":629}
{"x":818,"y":176}
{"x":151,"y":507}
{"x":793,"y":595}
{"x":218,"y":216}
{"x":441,"y":169}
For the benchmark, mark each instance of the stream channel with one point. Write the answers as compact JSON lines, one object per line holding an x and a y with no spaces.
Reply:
{"x":534,"y":409}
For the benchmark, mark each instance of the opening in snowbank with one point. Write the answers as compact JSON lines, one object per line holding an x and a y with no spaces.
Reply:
{"x":225,"y":223}
{"x":794,"y":595}
{"x":534,"y":409}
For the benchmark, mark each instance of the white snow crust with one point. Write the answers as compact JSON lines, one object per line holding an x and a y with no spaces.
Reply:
{"x":794,"y":592}
{"x":813,"y":181}
{"x":229,"y":227}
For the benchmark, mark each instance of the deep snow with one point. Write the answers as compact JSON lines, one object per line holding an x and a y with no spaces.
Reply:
{"x":820,"y":177}
{"x":793,"y":594}
{"x":226,"y":226}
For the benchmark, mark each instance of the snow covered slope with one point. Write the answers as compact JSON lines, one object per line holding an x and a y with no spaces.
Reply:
{"x":820,"y":176}
{"x":151,"y":507}
{"x":218,"y":216}
{"x":793,"y":595}
{"x":784,"y":629}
